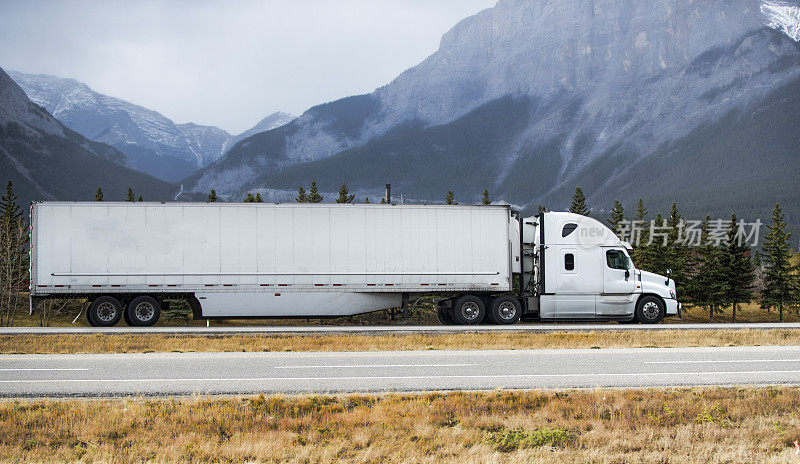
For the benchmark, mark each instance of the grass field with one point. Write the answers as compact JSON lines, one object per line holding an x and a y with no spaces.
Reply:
{"x":137,"y":343}
{"x":703,"y":425}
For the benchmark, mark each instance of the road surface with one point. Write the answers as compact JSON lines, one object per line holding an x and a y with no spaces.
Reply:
{"x":90,"y":375}
{"x":372,"y":330}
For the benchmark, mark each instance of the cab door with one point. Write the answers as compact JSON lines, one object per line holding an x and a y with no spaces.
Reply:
{"x":619,"y":285}
{"x":574,"y":297}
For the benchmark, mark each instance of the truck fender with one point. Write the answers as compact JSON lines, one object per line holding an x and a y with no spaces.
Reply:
{"x":661,"y":298}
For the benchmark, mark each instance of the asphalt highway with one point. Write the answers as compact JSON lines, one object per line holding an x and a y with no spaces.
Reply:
{"x":371,"y":330}
{"x":161,"y":374}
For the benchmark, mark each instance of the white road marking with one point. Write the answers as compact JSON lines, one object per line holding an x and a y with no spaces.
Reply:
{"x":371,"y":365}
{"x":42,"y":369}
{"x":400,"y":377}
{"x":721,"y":361}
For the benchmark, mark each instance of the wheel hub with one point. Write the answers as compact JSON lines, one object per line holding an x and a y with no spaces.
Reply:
{"x":106,"y":312}
{"x":650,"y":310}
{"x":144,"y":311}
{"x":470,"y":310}
{"x":507,"y":310}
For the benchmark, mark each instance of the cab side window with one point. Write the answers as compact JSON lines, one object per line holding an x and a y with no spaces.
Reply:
{"x":616,"y":259}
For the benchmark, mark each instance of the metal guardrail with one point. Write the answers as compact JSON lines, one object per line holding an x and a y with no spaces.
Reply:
{"x":388,"y":330}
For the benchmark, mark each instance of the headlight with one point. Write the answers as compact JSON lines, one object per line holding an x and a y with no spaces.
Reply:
{"x":672,"y":294}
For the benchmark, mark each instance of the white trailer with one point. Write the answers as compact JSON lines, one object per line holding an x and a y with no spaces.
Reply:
{"x":256,"y":260}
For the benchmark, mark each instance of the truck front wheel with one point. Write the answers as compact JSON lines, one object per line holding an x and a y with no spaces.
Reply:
{"x":649,"y":310}
{"x":144,"y":311}
{"x":505,"y":309}
{"x":468,"y":310}
{"x":104,"y":311}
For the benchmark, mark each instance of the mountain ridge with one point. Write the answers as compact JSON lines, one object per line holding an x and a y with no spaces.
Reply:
{"x":45,"y":160}
{"x":152,"y":142}
{"x":609,"y":77}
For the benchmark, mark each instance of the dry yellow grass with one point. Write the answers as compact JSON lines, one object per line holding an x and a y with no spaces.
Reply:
{"x":706,"y":425}
{"x":137,"y":343}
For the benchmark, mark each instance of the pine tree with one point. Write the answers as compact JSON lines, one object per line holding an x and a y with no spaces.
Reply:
{"x":99,"y":195}
{"x":9,"y":210}
{"x":485,"y":200}
{"x":258,"y":198}
{"x":709,"y":286}
{"x":140,"y":198}
{"x":656,"y":253}
{"x":778,"y":285}
{"x":450,"y":199}
{"x":617,"y":216}
{"x":131,"y":198}
{"x":249,"y":198}
{"x":313,"y":193}
{"x":301,"y":195}
{"x":14,"y":258}
{"x":678,"y":254}
{"x":344,"y":196}
{"x":738,"y":267}
{"x":579,"y":202}
{"x":542,"y":209}
{"x":366,"y":200}
{"x":641,"y":254}
{"x":212,"y":196}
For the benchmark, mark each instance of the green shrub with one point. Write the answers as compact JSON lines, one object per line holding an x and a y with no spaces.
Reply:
{"x":511,"y":440}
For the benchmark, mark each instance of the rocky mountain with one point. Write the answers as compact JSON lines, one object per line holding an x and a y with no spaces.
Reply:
{"x":47,"y":161}
{"x":272,"y":121}
{"x":531,"y":97}
{"x":152,"y":143}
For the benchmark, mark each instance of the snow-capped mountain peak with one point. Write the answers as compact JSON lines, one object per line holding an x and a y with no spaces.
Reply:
{"x":783,"y":16}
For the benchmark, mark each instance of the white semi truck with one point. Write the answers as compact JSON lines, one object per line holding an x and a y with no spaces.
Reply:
{"x":257,"y":260}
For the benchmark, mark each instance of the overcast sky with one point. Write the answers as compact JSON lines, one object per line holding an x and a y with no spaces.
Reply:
{"x":226,"y":63}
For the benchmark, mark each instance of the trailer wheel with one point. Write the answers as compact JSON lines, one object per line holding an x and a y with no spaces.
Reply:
{"x":649,"y":310}
{"x":445,"y":316}
{"x":468,"y":310}
{"x":144,"y":311}
{"x":89,"y":319}
{"x":505,"y":309}
{"x":104,"y":311}
{"x":125,"y":316}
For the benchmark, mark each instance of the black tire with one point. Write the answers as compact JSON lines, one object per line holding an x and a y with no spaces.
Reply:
{"x":505,"y":309}
{"x":445,"y":316}
{"x":650,"y":310}
{"x":144,"y":311}
{"x":104,"y":311}
{"x":126,"y":318}
{"x":89,"y":319}
{"x":468,"y":310}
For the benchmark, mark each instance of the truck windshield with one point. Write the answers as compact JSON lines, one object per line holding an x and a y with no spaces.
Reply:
{"x":616,"y":259}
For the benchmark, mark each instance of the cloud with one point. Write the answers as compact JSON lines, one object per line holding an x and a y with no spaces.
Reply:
{"x":226,"y":63}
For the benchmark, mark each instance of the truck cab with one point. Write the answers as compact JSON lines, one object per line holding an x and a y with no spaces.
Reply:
{"x":576,"y":268}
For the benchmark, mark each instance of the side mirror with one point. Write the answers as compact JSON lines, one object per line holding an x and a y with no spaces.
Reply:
{"x":627,"y":274}
{"x":669,"y":273}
